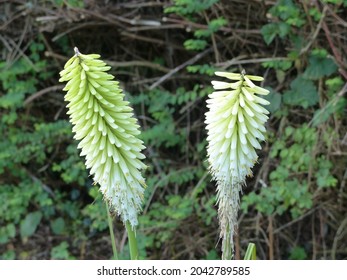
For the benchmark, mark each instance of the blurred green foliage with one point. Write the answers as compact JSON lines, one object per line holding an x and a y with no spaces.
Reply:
{"x":301,"y":164}
{"x":297,"y":154}
{"x":45,"y":190}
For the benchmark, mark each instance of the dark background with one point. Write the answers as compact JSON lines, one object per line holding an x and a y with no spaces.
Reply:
{"x":164,"y":54}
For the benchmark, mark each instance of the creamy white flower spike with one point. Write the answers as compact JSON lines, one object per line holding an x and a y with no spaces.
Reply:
{"x":104,"y":124}
{"x":235,"y":125}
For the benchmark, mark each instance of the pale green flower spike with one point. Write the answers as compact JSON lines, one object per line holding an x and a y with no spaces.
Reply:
{"x":235,"y":125}
{"x":104,"y":124}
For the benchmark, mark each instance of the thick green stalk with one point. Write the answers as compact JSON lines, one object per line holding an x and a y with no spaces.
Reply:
{"x":134,"y":254}
{"x":251,"y":253}
{"x":110,"y":225}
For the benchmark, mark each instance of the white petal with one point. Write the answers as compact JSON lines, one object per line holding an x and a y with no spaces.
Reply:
{"x":255,"y":78}
{"x":249,"y":82}
{"x":231,"y":76}
{"x":220,"y":85}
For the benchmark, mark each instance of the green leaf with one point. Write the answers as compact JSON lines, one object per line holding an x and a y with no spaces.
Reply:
{"x":319,"y":66}
{"x":275,"y":100}
{"x":8,"y":255}
{"x":7,"y":232}
{"x":269,"y":32}
{"x":298,"y":253}
{"x":202,"y":33}
{"x":61,"y":252}
{"x":195,"y":45}
{"x":315,"y":13}
{"x":302,"y":93}
{"x":29,"y":224}
{"x":283,"y":65}
{"x":333,"y":85}
{"x":204,"y":69}
{"x":217,"y":23}
{"x":187,"y":7}
{"x":212,"y":255}
{"x":289,"y":12}
{"x":58,"y":225}
{"x":280,"y":75}
{"x":323,"y":114}
{"x":213,"y":26}
{"x":283,"y":29}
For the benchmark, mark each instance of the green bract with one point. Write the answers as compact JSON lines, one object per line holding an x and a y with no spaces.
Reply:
{"x":235,"y":125}
{"x":104,"y":124}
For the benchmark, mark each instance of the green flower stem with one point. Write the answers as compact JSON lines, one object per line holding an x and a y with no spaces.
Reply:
{"x":134,"y":253}
{"x":110,"y":225}
{"x":251,"y":253}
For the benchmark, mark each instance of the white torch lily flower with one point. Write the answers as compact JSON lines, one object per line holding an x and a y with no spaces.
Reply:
{"x":235,"y":125}
{"x":104,"y":124}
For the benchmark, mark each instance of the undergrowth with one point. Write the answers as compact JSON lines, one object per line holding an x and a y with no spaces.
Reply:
{"x":293,"y":207}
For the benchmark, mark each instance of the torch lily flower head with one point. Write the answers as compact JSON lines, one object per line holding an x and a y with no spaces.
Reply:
{"x":104,"y":125}
{"x":235,"y":125}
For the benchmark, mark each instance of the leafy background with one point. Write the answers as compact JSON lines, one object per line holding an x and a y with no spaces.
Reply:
{"x":164,"y":53}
